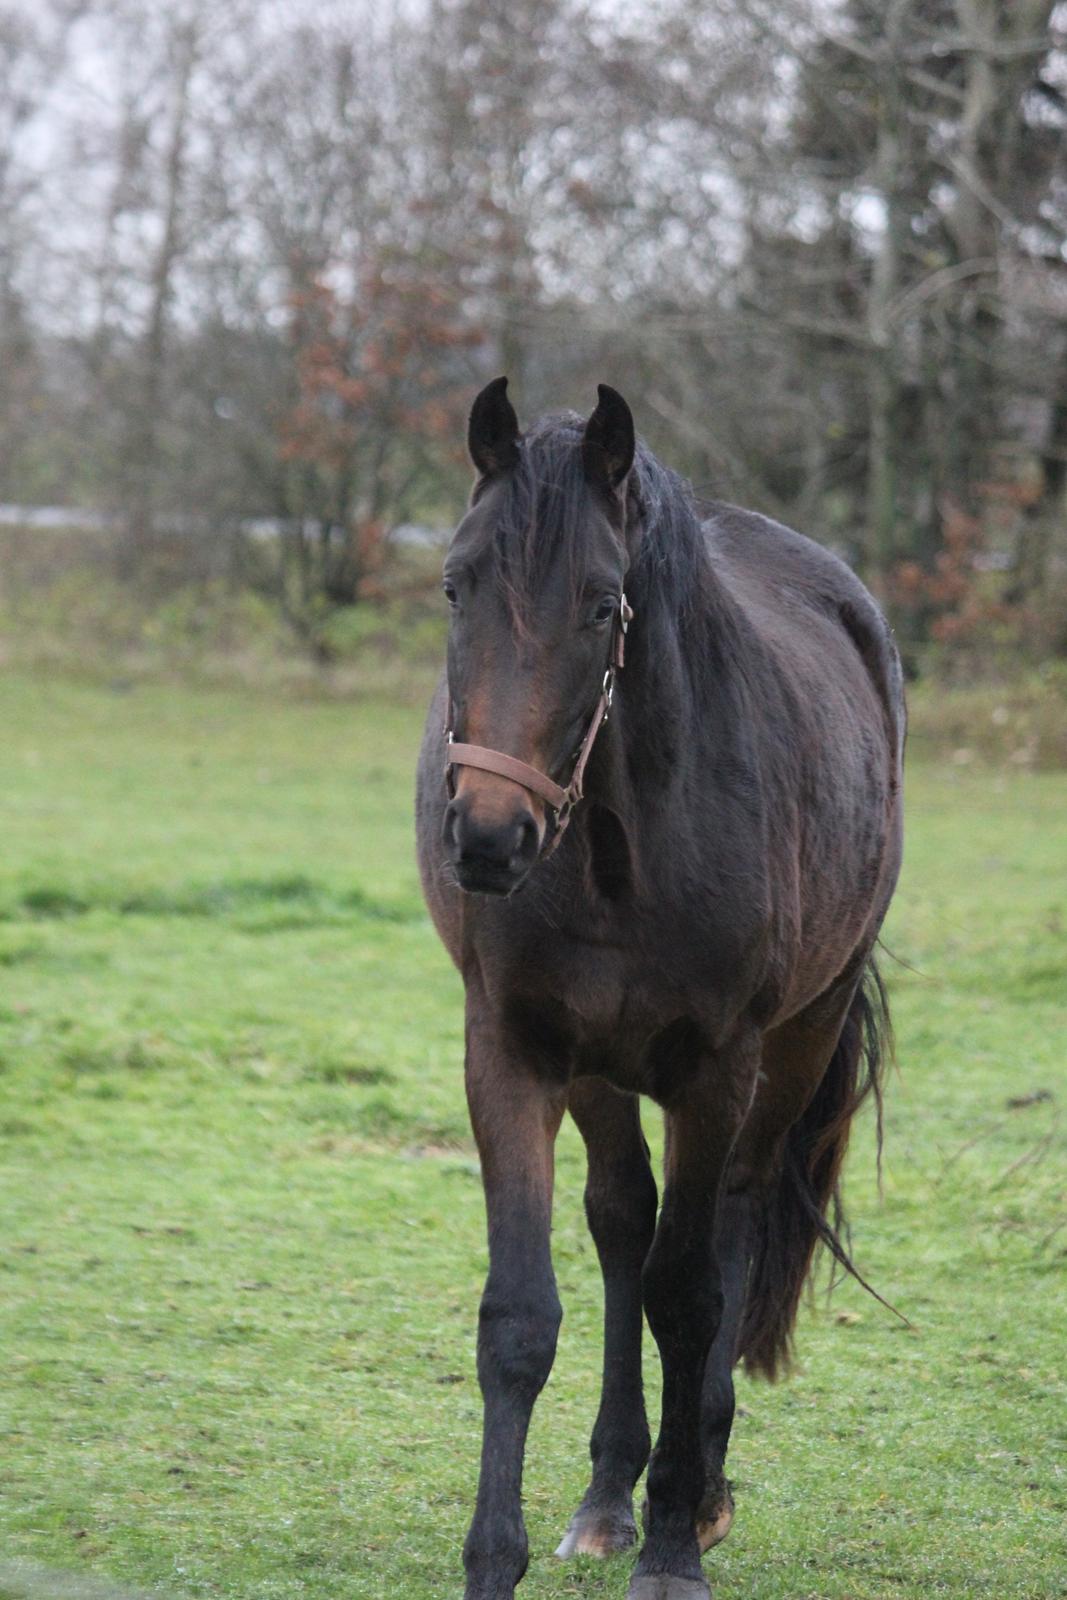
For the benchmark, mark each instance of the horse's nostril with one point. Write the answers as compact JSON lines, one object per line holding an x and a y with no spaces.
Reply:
{"x":526,"y":840}
{"x":451,"y":829}
{"x":495,"y":846}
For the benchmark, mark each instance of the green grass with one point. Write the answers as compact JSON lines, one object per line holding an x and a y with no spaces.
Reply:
{"x":243,"y":1238}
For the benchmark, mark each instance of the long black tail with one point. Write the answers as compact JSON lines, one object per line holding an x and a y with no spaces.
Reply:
{"x":805,"y":1207}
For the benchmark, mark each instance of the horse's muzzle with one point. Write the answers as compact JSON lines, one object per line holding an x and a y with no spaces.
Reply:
{"x":490,"y":857}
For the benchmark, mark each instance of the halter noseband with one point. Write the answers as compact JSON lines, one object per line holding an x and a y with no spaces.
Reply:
{"x":562,"y":801}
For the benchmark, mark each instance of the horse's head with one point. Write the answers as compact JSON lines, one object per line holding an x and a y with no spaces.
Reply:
{"x":534,"y":580}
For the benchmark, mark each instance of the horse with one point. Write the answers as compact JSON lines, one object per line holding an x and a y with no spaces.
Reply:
{"x":659,"y":826}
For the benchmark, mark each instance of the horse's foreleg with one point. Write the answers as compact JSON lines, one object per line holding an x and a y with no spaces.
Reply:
{"x":515,"y":1113}
{"x":620,"y":1203}
{"x":684,"y":1301}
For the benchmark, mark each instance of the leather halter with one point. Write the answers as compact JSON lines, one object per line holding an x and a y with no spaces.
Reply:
{"x":561,"y":800}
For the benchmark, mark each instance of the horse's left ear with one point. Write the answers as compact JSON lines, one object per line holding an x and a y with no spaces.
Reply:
{"x":608,"y":441}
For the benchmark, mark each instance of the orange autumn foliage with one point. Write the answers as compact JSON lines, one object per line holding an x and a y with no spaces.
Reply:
{"x":382,"y":359}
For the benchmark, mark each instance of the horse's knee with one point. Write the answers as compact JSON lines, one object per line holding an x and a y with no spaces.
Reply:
{"x":683,"y":1298}
{"x":621,"y":1213}
{"x":517,"y":1340}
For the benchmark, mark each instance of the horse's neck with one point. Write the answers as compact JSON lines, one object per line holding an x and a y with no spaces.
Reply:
{"x":680,"y":697}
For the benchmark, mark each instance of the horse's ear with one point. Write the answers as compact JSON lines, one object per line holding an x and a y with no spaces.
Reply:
{"x":608,"y":442}
{"x":493,"y":430}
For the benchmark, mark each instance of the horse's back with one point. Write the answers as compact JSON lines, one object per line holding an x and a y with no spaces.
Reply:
{"x":802,"y":586}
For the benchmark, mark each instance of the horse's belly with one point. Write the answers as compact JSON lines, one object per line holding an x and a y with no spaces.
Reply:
{"x":838,"y":912}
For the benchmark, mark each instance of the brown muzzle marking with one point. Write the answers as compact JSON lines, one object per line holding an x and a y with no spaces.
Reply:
{"x":562,"y":800}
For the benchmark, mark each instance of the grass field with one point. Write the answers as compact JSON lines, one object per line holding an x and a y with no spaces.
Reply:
{"x":243,"y":1239}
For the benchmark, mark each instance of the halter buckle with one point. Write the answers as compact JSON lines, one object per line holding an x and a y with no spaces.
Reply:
{"x":450,"y":738}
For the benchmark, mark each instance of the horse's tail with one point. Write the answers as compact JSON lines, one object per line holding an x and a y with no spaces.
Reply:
{"x":804,"y":1208}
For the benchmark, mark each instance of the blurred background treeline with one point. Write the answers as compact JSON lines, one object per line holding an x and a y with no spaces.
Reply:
{"x":256,"y":257}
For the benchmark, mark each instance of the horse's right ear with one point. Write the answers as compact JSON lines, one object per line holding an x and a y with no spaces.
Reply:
{"x":493,"y":430}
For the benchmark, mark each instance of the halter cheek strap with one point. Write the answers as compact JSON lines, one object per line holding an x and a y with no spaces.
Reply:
{"x":562,"y":801}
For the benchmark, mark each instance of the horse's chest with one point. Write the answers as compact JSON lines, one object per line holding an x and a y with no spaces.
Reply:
{"x":620,"y":996}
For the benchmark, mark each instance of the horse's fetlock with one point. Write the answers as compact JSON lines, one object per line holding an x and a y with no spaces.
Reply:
{"x":623,"y":1442}
{"x":675,"y":1490}
{"x":496,"y":1554}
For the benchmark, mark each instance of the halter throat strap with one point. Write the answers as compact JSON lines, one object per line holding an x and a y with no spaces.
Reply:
{"x":561,"y":800}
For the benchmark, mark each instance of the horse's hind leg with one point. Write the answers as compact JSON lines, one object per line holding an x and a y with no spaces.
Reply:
{"x":733,"y":1231}
{"x":715,"y":1514}
{"x":813,"y":1049}
{"x":620,"y":1203}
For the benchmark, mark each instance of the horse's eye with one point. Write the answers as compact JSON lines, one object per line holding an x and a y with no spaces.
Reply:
{"x":605,"y":610}
{"x":450,"y":592}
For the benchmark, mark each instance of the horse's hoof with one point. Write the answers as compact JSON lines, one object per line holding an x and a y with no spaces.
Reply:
{"x":714,"y":1520}
{"x":661,"y":1586}
{"x":598,"y":1533}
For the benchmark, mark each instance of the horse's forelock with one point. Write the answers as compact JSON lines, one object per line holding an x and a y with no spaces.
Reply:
{"x":542,"y":512}
{"x":541,"y":516}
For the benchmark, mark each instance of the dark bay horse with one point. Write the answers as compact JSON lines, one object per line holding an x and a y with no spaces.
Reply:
{"x":659,"y":823}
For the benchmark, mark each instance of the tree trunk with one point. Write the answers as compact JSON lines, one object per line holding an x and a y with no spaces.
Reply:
{"x":883,"y":377}
{"x":143,"y":436}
